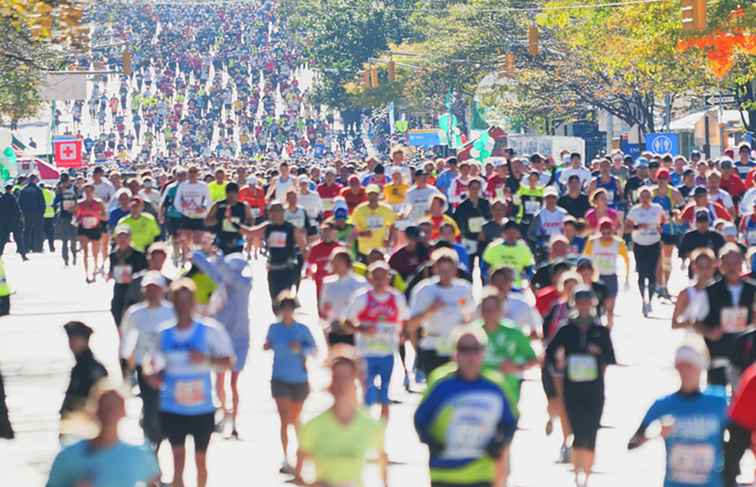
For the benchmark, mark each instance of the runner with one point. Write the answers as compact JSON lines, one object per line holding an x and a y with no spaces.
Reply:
{"x":228,"y":217}
{"x":192,"y":200}
{"x":646,"y":219}
{"x":338,"y":440}
{"x":439,"y":304}
{"x":692,"y":425}
{"x":232,"y":274}
{"x":338,"y":289}
{"x":90,"y":213}
{"x":465,"y":419}
{"x":291,"y":343}
{"x":605,"y":249}
{"x":587,"y":350}
{"x":511,"y":251}
{"x":377,"y":315}
{"x":374,"y":223}
{"x":189,"y":349}
{"x":105,"y":459}
{"x":140,"y":331}
{"x":125,"y":261}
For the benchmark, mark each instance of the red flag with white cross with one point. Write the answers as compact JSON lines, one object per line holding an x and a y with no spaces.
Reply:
{"x":68,"y":152}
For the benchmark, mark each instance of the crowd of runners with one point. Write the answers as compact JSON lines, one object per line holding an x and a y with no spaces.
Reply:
{"x":212,"y":159}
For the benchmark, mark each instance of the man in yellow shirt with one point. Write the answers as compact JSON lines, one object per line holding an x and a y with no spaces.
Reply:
{"x":373,"y":223}
{"x":395,"y":192}
{"x":217,"y":188}
{"x":144,"y":227}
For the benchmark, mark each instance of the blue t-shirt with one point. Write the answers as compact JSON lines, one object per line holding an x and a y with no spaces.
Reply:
{"x":289,"y":366}
{"x":121,"y":465}
{"x":694,"y":448}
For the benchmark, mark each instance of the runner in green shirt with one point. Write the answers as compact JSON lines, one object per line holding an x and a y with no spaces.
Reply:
{"x":512,"y":252}
{"x":509,"y":351}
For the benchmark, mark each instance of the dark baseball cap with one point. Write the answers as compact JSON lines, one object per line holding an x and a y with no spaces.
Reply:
{"x":699,"y":191}
{"x":702,"y":215}
{"x":414,"y":232}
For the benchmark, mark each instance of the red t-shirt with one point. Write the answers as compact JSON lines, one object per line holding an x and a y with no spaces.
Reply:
{"x":743,"y":406}
{"x":353,"y":199}
{"x":319,"y":257}
{"x":545,"y":299}
{"x":329,"y":192}
{"x":255,"y":198}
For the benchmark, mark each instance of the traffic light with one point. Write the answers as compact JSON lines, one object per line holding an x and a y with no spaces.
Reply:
{"x":126,"y":59}
{"x":693,"y":15}
{"x":509,"y":63}
{"x":373,"y":76}
{"x":533,"y":48}
{"x":391,"y":71}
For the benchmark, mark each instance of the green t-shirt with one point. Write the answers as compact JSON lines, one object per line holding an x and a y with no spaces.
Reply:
{"x":508,"y":343}
{"x":339,"y":451}
{"x":144,"y":230}
{"x":217,"y":190}
{"x":518,"y":256}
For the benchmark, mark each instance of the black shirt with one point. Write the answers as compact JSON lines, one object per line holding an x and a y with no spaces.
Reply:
{"x":578,"y":340}
{"x":407,"y":262}
{"x":122,"y":263}
{"x":694,"y":239}
{"x":282,"y":245}
{"x":576,"y":207}
{"x":84,"y":375}
{"x":467,"y":210}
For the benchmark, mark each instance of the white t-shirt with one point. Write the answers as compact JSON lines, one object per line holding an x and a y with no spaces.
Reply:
{"x":552,"y":222}
{"x":312,"y":203}
{"x":140,"y":329}
{"x":153,"y":197}
{"x":651,"y":216}
{"x":524,"y":315}
{"x":418,"y":201}
{"x":296,"y":217}
{"x":282,"y":187}
{"x":192,"y":199}
{"x":337,"y":292}
{"x":724,"y":198}
{"x":746,"y":204}
{"x":458,"y":309}
{"x":104,"y":191}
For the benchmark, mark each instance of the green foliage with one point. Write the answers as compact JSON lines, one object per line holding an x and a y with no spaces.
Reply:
{"x":340,"y":36}
{"x":22,"y":62}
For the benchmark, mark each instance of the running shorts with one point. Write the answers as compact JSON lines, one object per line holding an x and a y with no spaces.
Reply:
{"x":176,"y":427}
{"x":294,"y":391}
{"x":612,"y":284}
{"x":93,"y":234}
{"x":378,"y":368}
{"x":172,"y":225}
{"x":192,"y":223}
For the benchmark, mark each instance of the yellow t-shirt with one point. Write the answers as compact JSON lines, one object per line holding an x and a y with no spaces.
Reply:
{"x":395,"y":193}
{"x":217,"y":190}
{"x":339,"y":451}
{"x":378,"y":221}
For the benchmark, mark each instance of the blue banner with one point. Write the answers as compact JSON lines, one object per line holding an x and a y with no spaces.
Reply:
{"x":424,"y":137}
{"x":663,"y":142}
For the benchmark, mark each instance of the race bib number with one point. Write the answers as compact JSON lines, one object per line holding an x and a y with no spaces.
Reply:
{"x":691,"y":464}
{"x":68,"y":205}
{"x":475,"y":225}
{"x":327,"y":204}
{"x":383,"y":342}
{"x":231,"y":225}
{"x":466,"y":437}
{"x":189,"y":392}
{"x":375,"y":222}
{"x":255,"y":212}
{"x":610,"y":196}
{"x":90,"y":222}
{"x":734,"y":319}
{"x":582,"y":368}
{"x":122,"y":274}
{"x":532,"y":207}
{"x":277,"y":240}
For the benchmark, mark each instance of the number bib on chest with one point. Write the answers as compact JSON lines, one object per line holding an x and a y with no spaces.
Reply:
{"x":90,"y":222}
{"x":475,"y":225}
{"x":189,"y":392}
{"x":734,"y":319}
{"x":691,"y":464}
{"x":582,"y":368}
{"x":375,"y":222}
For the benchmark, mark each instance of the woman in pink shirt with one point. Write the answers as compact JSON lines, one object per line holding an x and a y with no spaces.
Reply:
{"x":600,"y":210}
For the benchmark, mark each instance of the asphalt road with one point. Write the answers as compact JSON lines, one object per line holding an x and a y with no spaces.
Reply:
{"x":35,"y":361}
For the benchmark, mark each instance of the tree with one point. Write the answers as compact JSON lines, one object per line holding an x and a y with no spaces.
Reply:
{"x":340,"y":36}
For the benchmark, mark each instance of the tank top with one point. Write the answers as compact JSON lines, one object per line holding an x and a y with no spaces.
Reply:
{"x":229,"y":228}
{"x":384,"y":316}
{"x":665,"y":201}
{"x":612,"y":191}
{"x":187,"y":387}
{"x":88,"y":214}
